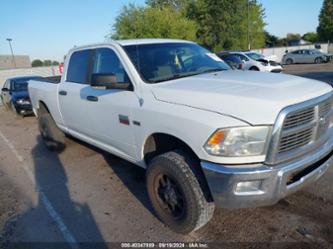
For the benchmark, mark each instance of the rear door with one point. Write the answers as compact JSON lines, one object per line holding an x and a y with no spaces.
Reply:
{"x":304,"y":56}
{"x":73,"y":106}
{"x":311,"y":56}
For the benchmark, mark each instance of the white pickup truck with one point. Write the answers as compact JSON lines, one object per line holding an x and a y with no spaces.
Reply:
{"x":207,"y":135}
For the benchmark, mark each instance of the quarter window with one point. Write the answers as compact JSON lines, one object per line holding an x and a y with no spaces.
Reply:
{"x":79,"y":66}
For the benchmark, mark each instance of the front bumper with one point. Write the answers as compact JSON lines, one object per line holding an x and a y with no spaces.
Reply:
{"x":24,"y":109}
{"x":244,"y":186}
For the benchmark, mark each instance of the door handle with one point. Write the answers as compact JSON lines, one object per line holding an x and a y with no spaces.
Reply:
{"x":62,"y":92}
{"x":92,"y":98}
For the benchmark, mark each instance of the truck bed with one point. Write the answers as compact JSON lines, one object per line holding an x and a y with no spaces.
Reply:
{"x":42,"y":92}
{"x":51,"y":79}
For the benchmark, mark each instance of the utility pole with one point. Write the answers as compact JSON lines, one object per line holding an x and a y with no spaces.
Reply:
{"x":248,"y":25}
{"x":11,"y":49}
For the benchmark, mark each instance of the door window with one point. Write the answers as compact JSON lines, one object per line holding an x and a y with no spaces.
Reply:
{"x":79,"y":66}
{"x":6,"y":84}
{"x":242,"y":57}
{"x":107,"y":62}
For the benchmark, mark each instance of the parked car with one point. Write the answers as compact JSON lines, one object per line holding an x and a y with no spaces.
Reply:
{"x":232,"y":60}
{"x":207,"y":136}
{"x":14,"y":95}
{"x":305,"y":56}
{"x":256,"y":62}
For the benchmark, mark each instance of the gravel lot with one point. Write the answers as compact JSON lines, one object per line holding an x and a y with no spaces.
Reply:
{"x":87,"y":195}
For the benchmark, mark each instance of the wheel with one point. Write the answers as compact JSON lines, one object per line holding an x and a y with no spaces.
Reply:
{"x":176,"y":194}
{"x":289,"y":61}
{"x":254,"y":69}
{"x":53,"y":137}
{"x":318,"y":60}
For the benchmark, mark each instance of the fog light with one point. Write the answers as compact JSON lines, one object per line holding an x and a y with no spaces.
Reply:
{"x":249,"y":188}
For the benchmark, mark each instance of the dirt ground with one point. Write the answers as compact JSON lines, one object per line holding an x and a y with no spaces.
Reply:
{"x":89,"y":196}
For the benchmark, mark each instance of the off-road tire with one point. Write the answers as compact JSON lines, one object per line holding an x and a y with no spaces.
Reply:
{"x":198,"y":211}
{"x":53,"y":137}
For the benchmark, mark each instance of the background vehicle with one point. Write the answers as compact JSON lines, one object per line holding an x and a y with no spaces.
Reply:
{"x":305,"y":56}
{"x":14,"y":94}
{"x":206,"y":135}
{"x":257,"y":62}
{"x":232,"y":60}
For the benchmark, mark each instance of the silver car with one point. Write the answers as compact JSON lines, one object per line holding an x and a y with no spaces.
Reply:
{"x":305,"y":56}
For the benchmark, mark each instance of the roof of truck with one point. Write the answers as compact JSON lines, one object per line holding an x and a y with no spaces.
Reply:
{"x":131,"y":42}
{"x":147,"y":41}
{"x":24,"y":77}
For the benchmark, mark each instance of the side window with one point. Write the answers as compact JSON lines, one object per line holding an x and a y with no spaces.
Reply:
{"x":107,"y":62}
{"x":10,"y":85}
{"x":5,"y":85}
{"x":242,"y":57}
{"x":78,"y":67}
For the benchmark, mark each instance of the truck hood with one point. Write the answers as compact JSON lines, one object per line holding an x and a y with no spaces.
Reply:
{"x":20,"y":95}
{"x":254,"y":97}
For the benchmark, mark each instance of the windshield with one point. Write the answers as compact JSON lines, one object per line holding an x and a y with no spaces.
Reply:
{"x":255,"y":56}
{"x":161,"y":62}
{"x":22,"y":84}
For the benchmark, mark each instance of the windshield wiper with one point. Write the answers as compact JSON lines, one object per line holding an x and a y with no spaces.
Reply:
{"x":183,"y":75}
{"x":173,"y":77}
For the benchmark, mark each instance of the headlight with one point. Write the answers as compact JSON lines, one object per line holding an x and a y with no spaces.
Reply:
{"x":23,"y":102}
{"x":239,"y":141}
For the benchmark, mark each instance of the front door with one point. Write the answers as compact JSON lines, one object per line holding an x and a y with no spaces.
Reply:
{"x":110,"y":109}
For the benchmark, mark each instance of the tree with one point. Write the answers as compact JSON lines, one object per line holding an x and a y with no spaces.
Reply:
{"x":293,"y":37}
{"x":37,"y":63}
{"x":176,"y":4}
{"x":325,"y":28}
{"x":222,"y":24}
{"x":257,"y":24}
{"x":152,"y":22}
{"x":310,"y":37}
{"x":270,"y":40}
{"x":47,"y":63}
{"x":282,"y":42}
{"x":55,"y":63}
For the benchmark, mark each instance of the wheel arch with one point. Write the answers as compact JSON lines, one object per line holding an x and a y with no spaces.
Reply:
{"x":254,"y":68}
{"x":41,"y":108}
{"x":159,"y":143}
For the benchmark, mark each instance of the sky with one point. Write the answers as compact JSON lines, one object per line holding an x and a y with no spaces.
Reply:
{"x":47,"y":29}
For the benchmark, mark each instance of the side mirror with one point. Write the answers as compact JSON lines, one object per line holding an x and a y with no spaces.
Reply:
{"x":108,"y":81}
{"x":5,"y":89}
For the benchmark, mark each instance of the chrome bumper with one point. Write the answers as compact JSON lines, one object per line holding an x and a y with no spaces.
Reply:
{"x":244,"y":186}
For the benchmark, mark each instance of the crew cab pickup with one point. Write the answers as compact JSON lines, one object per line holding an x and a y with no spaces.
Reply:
{"x":207,"y":135}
